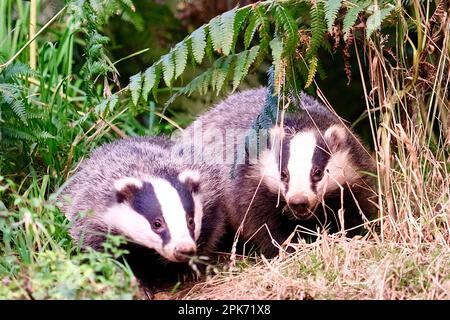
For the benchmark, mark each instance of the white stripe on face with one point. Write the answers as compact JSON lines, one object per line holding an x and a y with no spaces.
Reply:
{"x":173,"y":214}
{"x":198,"y":215}
{"x":133,"y":226}
{"x":301,"y":151}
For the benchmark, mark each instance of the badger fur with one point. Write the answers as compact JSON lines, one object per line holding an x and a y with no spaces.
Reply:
{"x":311,"y":167}
{"x":133,"y":187}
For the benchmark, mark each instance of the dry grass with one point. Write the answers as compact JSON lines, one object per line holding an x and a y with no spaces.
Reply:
{"x":336,"y":268}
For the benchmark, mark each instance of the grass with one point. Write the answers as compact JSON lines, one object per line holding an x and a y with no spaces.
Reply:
{"x":48,"y":124}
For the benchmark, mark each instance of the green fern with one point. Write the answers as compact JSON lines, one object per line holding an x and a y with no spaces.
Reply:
{"x":168,"y":68}
{"x":244,"y":60}
{"x":135,"y":87}
{"x":312,"y":71}
{"x":285,"y":20}
{"x":351,"y":16}
{"x":149,"y":81}
{"x":318,"y":28}
{"x":198,"y":44}
{"x":227,"y":26}
{"x":331,"y":10}
{"x":180,"y":55}
{"x":250,"y":31}
{"x":374,"y":21}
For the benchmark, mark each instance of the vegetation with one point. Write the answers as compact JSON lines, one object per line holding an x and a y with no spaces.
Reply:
{"x":64,"y":96}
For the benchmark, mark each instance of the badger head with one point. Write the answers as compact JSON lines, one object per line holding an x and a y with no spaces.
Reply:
{"x":305,"y":165}
{"x":164,"y":214}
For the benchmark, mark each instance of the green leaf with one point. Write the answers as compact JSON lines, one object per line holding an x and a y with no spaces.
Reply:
{"x":286,"y":21}
{"x":244,"y":60}
{"x":276,"y":45}
{"x":227,"y":25}
{"x":352,"y":15}
{"x":168,"y":68}
{"x":374,"y":21}
{"x":241,"y":16}
{"x":113,"y":102}
{"x":318,"y":28}
{"x":221,"y":74}
{"x":135,"y":87}
{"x":331,"y":10}
{"x":198,"y":41}
{"x":181,"y":53}
{"x":253,"y":24}
{"x":215,"y":32}
{"x":312,"y":71}
{"x":149,"y":81}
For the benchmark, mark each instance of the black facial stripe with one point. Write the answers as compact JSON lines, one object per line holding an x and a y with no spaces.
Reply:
{"x":146,"y":203}
{"x":320,"y":159}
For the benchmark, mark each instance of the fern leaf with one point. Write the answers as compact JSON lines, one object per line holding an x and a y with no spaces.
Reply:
{"x":287,"y":22}
{"x":149,"y":81}
{"x":135,"y":87}
{"x":19,"y":109}
{"x":198,"y":42}
{"x":276,"y":45}
{"x":239,"y":69}
{"x":241,"y":16}
{"x":101,"y":107}
{"x":312,"y":71}
{"x":351,"y":16}
{"x":331,"y":10}
{"x":244,"y":60}
{"x":215,"y":32}
{"x":168,"y":68}
{"x":181,"y":54}
{"x":375,"y":20}
{"x":113,"y":102}
{"x":222,"y":74}
{"x":253,"y":24}
{"x":318,"y":28}
{"x":264,"y":28}
{"x":227,"y":32}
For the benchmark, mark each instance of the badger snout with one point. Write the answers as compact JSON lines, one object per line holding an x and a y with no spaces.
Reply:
{"x":184,"y":251}
{"x":300,"y":206}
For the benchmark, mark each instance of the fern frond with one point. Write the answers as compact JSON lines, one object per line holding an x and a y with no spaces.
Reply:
{"x":135,"y":88}
{"x":253,"y":24}
{"x":149,"y":81}
{"x":351,"y":16}
{"x":318,"y":28}
{"x":374,"y":21}
{"x":227,"y":24}
{"x":312,"y":71}
{"x":331,"y":10}
{"x":198,"y":44}
{"x":168,"y":68}
{"x":180,"y":56}
{"x":285,"y":20}
{"x":244,"y":60}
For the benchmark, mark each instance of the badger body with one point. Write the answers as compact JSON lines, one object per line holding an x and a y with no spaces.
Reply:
{"x":133,"y":187}
{"x":311,"y":170}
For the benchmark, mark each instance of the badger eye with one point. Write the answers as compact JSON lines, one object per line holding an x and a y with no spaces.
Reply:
{"x":284,"y":175}
{"x":190,"y":221}
{"x":157,"y":224}
{"x":317,"y":173}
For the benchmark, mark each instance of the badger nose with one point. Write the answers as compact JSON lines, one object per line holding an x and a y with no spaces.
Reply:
{"x":183,"y":252}
{"x":299,"y":203}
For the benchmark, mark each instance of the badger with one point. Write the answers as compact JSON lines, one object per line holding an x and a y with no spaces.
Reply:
{"x":310,"y":174}
{"x":132,"y":187}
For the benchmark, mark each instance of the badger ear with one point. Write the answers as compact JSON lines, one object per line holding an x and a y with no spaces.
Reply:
{"x":335,"y":137}
{"x":126,"y":188}
{"x":191,"y":178}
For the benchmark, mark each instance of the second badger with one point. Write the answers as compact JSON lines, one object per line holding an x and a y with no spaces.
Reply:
{"x":134,"y":188}
{"x":311,"y":174}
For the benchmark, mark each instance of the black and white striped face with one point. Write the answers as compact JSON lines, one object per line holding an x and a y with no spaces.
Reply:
{"x":161,"y":214}
{"x":306,"y":166}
